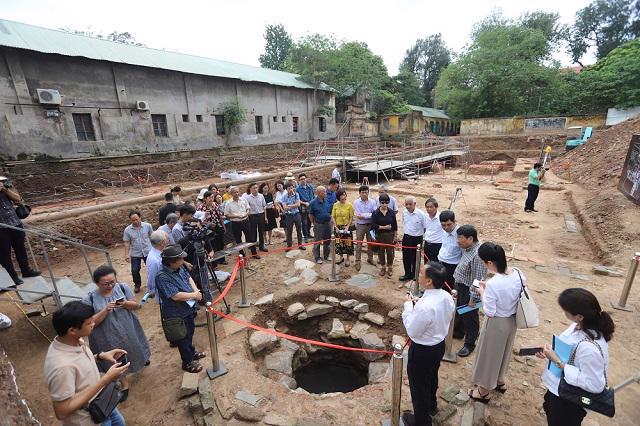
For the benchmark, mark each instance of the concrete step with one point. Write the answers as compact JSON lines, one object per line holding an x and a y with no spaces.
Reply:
{"x":38,"y":284}
{"x":68,"y":288}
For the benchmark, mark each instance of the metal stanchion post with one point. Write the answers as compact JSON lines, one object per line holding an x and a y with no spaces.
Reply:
{"x":396,"y":387}
{"x":631,"y":274}
{"x":333,"y":278}
{"x":56,"y":293}
{"x":244,"y":303}
{"x":415,"y":288}
{"x":449,"y":354}
{"x":217,"y":368}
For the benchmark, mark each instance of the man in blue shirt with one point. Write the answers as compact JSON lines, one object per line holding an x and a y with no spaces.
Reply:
{"x":331,"y":191}
{"x":305,"y":191}
{"x":320,"y":216}
{"x":291,"y":204}
{"x":179,"y":294}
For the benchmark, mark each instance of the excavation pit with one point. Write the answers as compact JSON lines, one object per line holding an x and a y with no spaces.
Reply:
{"x":350,"y":319}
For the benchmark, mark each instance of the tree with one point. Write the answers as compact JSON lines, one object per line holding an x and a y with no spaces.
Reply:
{"x":277,"y":47}
{"x":603,"y":24}
{"x":502,"y":73}
{"x":426,"y":59}
{"x":123,"y":37}
{"x":407,"y":86}
{"x":548,"y":23}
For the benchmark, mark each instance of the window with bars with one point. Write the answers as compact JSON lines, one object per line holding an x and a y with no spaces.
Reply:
{"x":199,"y":118}
{"x":220,"y":124}
{"x":295,"y":124}
{"x":84,"y":127}
{"x":159,"y":122}
{"x":284,"y":118}
{"x":322,"y":124}
{"x":259,"y":128}
{"x":275,"y":118}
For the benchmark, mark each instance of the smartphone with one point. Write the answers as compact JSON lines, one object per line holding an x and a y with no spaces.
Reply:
{"x":122,"y":360}
{"x":529,"y":351}
{"x":476,"y":283}
{"x":120,"y":301}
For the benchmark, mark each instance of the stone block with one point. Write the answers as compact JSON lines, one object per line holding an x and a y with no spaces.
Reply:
{"x":301,"y":264}
{"x":605,"y":270}
{"x":292,"y":281}
{"x":461,"y":398}
{"x":225,"y":407}
{"x":372,"y":341}
{"x":280,"y":361}
{"x":333,"y":301}
{"x":361,"y":308}
{"x":362,"y":281}
{"x":374,"y":318}
{"x":309,"y":276}
{"x":272,"y":419}
{"x":350,"y":303}
{"x":288,"y":382}
{"x":248,"y":397}
{"x":264,"y":300}
{"x":303,"y":316}
{"x":450,"y":392}
{"x":294,"y":309}
{"x":249,"y":413}
{"x":359,"y":330}
{"x":444,"y":413}
{"x":189,"y":384}
{"x":206,"y":397}
{"x":337,"y":330}
{"x":317,"y":309}
{"x":194,"y":405}
{"x":378,"y":371}
{"x":395,"y":313}
{"x":292,"y":254}
{"x":260,"y":340}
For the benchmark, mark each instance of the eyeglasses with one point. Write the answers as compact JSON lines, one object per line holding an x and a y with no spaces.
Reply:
{"x":109,"y":283}
{"x":384,"y":202}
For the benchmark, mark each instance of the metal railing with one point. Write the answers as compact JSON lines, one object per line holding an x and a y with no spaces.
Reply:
{"x":42,"y":236}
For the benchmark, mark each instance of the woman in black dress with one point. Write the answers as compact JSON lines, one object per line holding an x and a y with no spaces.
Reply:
{"x":271,"y":211}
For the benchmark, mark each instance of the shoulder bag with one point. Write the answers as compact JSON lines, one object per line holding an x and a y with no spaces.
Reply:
{"x":527,"y":310}
{"x":101,"y":407}
{"x":174,"y":328}
{"x":23,"y":210}
{"x":602,"y":402}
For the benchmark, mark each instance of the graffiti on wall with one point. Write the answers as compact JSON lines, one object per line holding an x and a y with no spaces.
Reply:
{"x":630,"y":179}
{"x":545,"y":123}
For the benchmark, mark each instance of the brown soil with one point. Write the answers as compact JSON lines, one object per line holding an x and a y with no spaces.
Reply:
{"x":533,"y":239}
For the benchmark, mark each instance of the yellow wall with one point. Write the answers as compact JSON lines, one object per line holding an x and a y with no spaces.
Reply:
{"x":595,"y":121}
{"x":501,"y":126}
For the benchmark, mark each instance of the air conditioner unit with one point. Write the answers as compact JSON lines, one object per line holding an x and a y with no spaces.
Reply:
{"x":49,"y":97}
{"x":142,"y":105}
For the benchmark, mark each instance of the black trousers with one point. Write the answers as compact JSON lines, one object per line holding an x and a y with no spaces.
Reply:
{"x":185,"y":346}
{"x":432,"y":250}
{"x":256,"y":230}
{"x":422,"y":368}
{"x":470,"y":321}
{"x":532,"y":196}
{"x":242,"y":227}
{"x":289,"y":221}
{"x":136,"y":265}
{"x":11,"y":238}
{"x":561,"y":412}
{"x":409,"y":254}
{"x":451,"y":268}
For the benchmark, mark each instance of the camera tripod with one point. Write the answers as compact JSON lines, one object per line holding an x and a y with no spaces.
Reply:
{"x":454,"y":198}
{"x":204,"y":267}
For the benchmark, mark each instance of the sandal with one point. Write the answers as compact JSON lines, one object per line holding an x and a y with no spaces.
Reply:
{"x":482,"y":398}
{"x":199,"y":355}
{"x":382,"y":272}
{"x":341,"y":260}
{"x":502,"y":388}
{"x":390,"y":272}
{"x":192,"y":367}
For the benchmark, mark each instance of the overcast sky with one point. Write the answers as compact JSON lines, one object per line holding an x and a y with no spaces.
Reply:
{"x":233,"y":29}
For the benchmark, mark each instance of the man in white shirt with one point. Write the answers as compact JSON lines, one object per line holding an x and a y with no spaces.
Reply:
{"x":335,"y":174}
{"x":159,"y":240}
{"x":450,"y":252}
{"x":426,"y":320}
{"x":433,"y":233}
{"x":169,"y":222}
{"x":137,"y":245}
{"x":393,"y":203}
{"x":237,"y":211}
{"x":414,"y":223}
{"x":257,"y":215}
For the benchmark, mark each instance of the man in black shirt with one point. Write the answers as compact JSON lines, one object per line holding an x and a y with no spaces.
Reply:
{"x":169,"y":207}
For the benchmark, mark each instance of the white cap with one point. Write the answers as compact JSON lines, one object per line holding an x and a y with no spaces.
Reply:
{"x":201,"y":195}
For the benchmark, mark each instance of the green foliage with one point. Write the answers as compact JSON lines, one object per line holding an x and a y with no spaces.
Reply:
{"x":604,"y":24}
{"x":234,"y":115}
{"x":386,"y":102}
{"x":326,"y":110}
{"x":277,"y":47}
{"x":426,"y":59}
{"x":407,"y":86}
{"x":502,"y":73}
{"x":613,"y":81}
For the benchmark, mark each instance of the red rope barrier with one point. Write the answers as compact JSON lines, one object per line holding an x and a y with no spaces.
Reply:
{"x":232,"y":279}
{"x":296,"y":338}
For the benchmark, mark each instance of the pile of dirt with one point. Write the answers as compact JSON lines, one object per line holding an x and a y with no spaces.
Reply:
{"x":613,"y":221}
{"x":599,"y":162}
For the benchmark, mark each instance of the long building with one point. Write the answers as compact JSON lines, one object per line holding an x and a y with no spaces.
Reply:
{"x":65,"y":95}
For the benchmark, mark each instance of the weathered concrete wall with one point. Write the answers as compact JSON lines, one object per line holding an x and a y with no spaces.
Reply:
{"x":109,"y":93}
{"x":414,"y":122}
{"x":515,"y":125}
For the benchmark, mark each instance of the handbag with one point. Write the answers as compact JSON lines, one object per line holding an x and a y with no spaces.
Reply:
{"x":23,"y":210}
{"x":603,"y":402}
{"x":101,"y":407}
{"x":527,"y":310}
{"x":174,"y":329}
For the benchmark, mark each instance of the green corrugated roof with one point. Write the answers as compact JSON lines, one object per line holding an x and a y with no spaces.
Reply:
{"x":430,"y":112}
{"x":44,"y":40}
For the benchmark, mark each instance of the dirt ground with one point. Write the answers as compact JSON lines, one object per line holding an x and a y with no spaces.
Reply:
{"x":535,"y":240}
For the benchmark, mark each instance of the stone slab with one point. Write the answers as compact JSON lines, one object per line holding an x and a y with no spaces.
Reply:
{"x":189,"y":384}
{"x":605,"y":270}
{"x":317,"y":309}
{"x":362,"y":281}
{"x":374,"y":318}
{"x":264,"y":300}
{"x":272,"y":419}
{"x":293,"y":254}
{"x":249,"y":398}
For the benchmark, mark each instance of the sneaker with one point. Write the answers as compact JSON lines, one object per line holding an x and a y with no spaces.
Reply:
{"x":136,"y":289}
{"x":30,"y":273}
{"x":319,"y":261}
{"x":264,"y":249}
{"x":256,"y":256}
{"x":302,"y":248}
{"x":465,"y":351}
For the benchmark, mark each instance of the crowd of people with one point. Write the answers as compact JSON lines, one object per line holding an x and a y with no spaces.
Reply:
{"x":102,"y":334}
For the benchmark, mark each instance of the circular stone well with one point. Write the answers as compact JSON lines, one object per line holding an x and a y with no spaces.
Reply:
{"x":341,"y":317}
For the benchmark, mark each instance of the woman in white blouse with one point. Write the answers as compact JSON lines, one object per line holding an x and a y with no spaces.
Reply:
{"x":500,"y":295}
{"x":592,"y":328}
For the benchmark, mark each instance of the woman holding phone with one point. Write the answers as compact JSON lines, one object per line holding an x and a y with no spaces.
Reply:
{"x":116,"y":326}
{"x":590,"y":332}
{"x":500,"y":296}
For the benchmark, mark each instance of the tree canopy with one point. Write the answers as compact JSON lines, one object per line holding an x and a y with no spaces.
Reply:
{"x":277,"y":46}
{"x":124,"y":37}
{"x":426,"y":59}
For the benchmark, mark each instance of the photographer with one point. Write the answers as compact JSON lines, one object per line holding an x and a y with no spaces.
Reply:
{"x":195,"y":235}
{"x":535,"y":176}
{"x":12,"y":238}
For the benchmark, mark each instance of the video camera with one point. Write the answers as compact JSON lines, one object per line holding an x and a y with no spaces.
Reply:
{"x":196,"y":230}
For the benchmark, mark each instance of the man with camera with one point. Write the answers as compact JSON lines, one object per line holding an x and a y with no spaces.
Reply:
{"x":12,"y":238}
{"x":535,"y":176}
